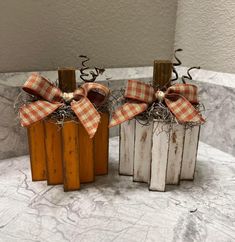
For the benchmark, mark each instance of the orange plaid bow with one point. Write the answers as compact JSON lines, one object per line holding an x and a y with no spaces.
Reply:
{"x":53,"y":98}
{"x":178,"y":98}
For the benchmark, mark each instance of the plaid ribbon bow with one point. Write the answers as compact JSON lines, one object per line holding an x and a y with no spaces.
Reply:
{"x":53,"y":98}
{"x":178,"y":98}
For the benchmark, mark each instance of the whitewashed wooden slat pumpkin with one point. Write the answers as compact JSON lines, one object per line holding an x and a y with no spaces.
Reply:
{"x":158,"y":154}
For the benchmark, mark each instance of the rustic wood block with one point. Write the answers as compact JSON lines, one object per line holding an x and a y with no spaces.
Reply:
{"x":190,"y":153}
{"x":101,"y":142}
{"x":127,"y":141}
{"x":86,"y":155}
{"x":71,"y":156}
{"x":162,"y":71}
{"x":160,"y":149}
{"x":67,"y":79}
{"x":36,"y":140}
{"x":176,"y":145}
{"x":142,"y":152}
{"x":53,"y":138}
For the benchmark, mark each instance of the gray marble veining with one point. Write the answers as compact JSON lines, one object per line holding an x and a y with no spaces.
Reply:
{"x":219,"y":129}
{"x":116,"y":209}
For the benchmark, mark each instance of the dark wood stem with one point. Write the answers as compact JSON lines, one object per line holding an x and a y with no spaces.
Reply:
{"x":67,"y":79}
{"x":162,"y":71}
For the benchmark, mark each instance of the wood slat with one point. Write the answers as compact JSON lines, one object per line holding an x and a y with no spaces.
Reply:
{"x":36,"y":141}
{"x":142,"y":153}
{"x":86,"y":155}
{"x":176,"y":145}
{"x":127,"y":141}
{"x":53,"y":138}
{"x":159,"y":156}
{"x":70,"y":156}
{"x":101,"y":143}
{"x":190,"y":153}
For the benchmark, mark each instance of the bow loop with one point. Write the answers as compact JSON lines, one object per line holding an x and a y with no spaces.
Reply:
{"x":189,"y":91}
{"x":41,"y":87}
{"x":140,"y":91}
{"x":81,"y":103}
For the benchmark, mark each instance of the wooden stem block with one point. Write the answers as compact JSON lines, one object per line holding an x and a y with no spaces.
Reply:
{"x":159,"y":156}
{"x":142,"y":153}
{"x":101,"y":142}
{"x":67,"y":79}
{"x":176,"y":145}
{"x":162,"y":71}
{"x":71,"y":156}
{"x":36,"y":139}
{"x":190,"y":153}
{"x":53,"y":138}
{"x":127,"y":142}
{"x":86,"y":155}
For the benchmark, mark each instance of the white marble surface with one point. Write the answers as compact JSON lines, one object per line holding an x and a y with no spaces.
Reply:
{"x":116,"y":209}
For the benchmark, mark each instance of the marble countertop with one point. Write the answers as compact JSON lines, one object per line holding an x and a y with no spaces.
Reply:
{"x":17,"y":79}
{"x":116,"y":209}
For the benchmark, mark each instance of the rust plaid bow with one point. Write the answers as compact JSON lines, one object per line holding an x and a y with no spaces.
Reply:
{"x":53,"y":98}
{"x":178,"y":98}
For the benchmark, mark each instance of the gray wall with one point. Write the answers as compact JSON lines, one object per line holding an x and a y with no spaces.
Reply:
{"x":206,"y":32}
{"x":45,"y":35}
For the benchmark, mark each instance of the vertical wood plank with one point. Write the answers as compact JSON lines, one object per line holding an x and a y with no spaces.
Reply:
{"x":175,"y":154}
{"x":86,"y":155}
{"x":101,"y":142}
{"x":36,"y":140}
{"x":142,"y":152}
{"x":159,"y":156}
{"x":70,"y":156}
{"x":127,"y":141}
{"x":53,"y":152}
{"x":190,"y":153}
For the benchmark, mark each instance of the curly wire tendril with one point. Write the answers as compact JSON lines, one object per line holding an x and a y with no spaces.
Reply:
{"x":189,"y":77}
{"x":177,"y":63}
{"x":93,"y":73}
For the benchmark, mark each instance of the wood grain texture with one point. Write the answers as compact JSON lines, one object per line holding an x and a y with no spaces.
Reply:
{"x":162,"y":71}
{"x":190,"y":153}
{"x":53,"y":138}
{"x":86,"y":155}
{"x":176,"y":144}
{"x":101,"y":142}
{"x":127,"y":142}
{"x":142,"y":152}
{"x":67,"y":79}
{"x":36,"y":140}
{"x":159,"y":156}
{"x":70,"y":156}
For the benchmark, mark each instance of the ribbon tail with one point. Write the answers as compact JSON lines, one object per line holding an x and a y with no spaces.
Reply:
{"x":87,"y":115}
{"x":36,"y":111}
{"x":183,"y":110}
{"x":127,"y":112}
